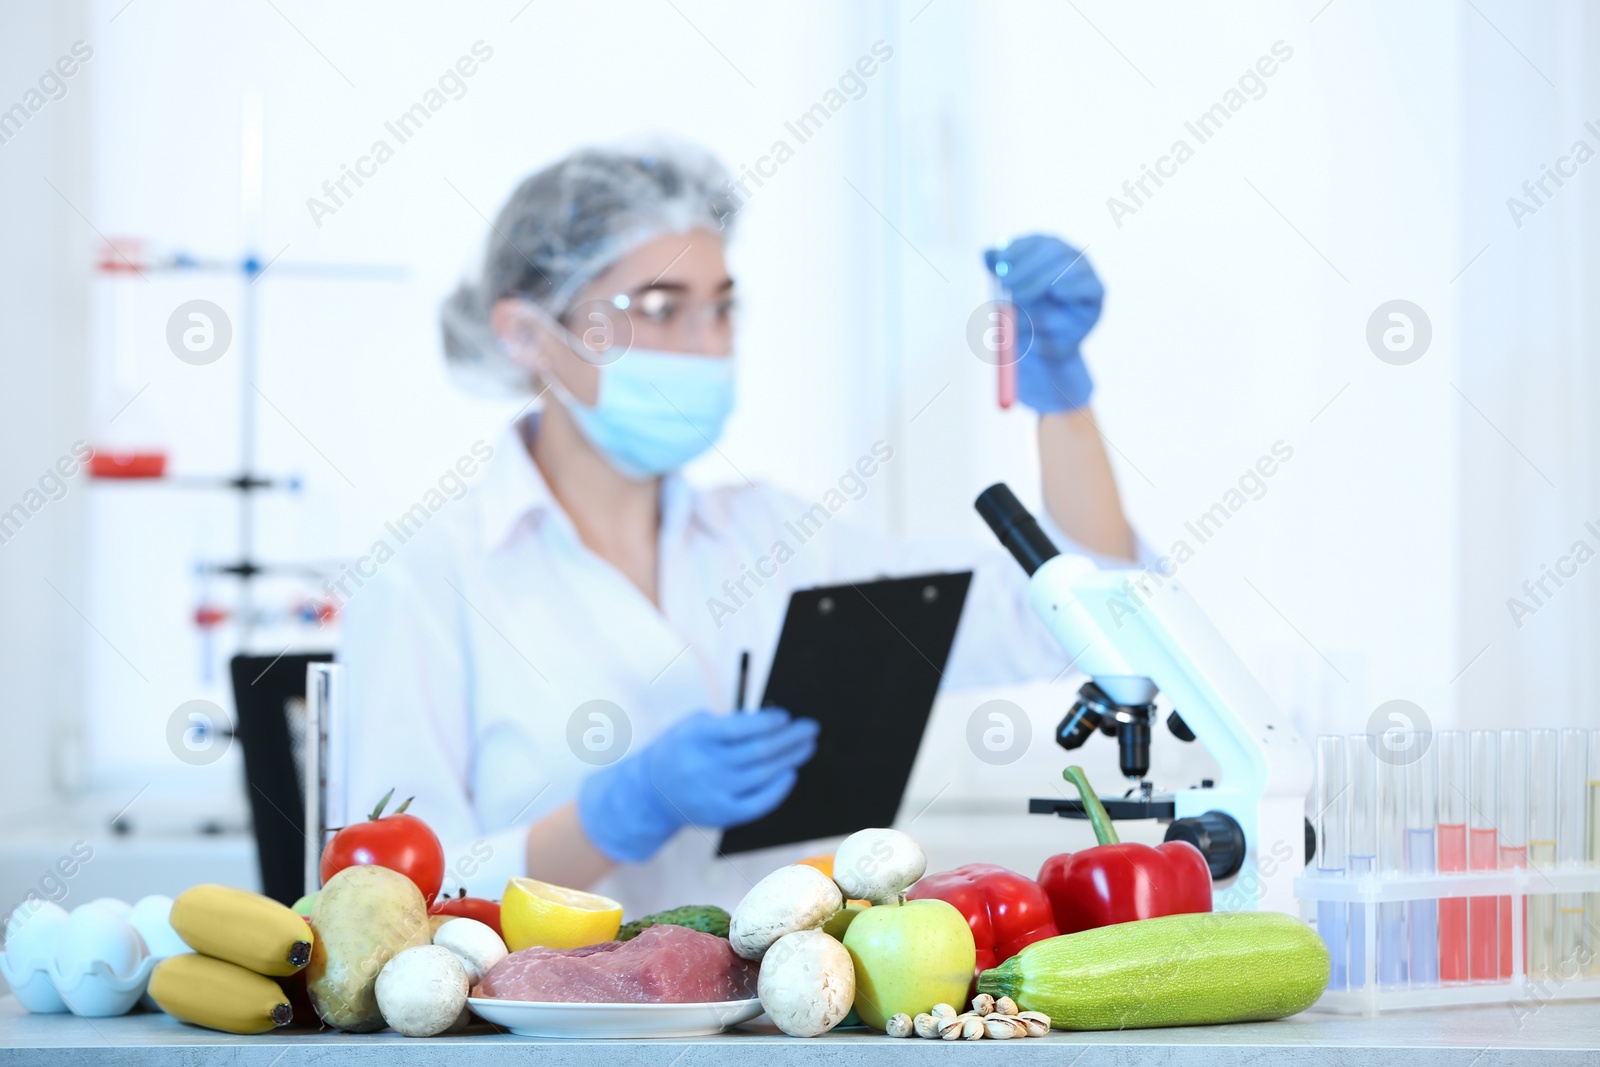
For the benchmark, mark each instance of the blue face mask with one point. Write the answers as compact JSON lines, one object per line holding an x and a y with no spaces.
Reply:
{"x":655,"y":410}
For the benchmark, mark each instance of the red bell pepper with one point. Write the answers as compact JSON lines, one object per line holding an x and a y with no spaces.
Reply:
{"x":1115,"y":882}
{"x":1006,"y":910}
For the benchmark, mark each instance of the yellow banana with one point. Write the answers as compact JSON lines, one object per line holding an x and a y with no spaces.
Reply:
{"x":240,"y":927}
{"x":217,"y":994}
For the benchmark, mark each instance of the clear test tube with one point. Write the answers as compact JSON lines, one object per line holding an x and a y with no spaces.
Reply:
{"x":1592,"y":900}
{"x":1483,"y":854}
{"x":1422,"y":817}
{"x":1452,"y":745}
{"x":1332,"y":819}
{"x":1544,"y":818}
{"x":1572,"y":839}
{"x":1394,"y":951}
{"x":1362,"y":859}
{"x":1512,"y":824}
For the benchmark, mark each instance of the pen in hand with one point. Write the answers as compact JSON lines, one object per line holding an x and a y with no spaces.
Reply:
{"x":744,"y":679}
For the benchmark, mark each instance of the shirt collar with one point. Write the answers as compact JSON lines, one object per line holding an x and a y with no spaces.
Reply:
{"x":514,"y":497}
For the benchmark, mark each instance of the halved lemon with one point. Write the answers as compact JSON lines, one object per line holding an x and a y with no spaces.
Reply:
{"x":538,"y":913}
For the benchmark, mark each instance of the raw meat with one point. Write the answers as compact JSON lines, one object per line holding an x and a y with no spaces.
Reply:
{"x":664,"y":964}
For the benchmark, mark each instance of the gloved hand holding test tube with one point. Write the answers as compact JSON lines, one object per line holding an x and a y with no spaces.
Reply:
{"x":1050,"y":298}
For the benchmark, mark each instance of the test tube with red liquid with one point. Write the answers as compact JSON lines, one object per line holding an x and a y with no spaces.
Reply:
{"x":1483,"y":854}
{"x":1004,"y":317}
{"x":1452,"y":746}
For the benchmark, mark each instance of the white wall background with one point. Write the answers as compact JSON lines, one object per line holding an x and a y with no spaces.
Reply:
{"x":1374,"y":166}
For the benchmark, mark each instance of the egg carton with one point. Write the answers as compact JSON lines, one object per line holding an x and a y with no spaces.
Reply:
{"x":40,"y":987}
{"x":95,"y":961}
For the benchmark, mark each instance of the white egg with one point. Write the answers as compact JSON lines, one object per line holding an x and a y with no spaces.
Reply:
{"x":32,"y":934}
{"x":152,"y":918}
{"x":120,"y":907}
{"x":94,"y":934}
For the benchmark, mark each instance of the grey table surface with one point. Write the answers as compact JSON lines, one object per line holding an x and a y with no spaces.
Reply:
{"x":1555,"y":1034}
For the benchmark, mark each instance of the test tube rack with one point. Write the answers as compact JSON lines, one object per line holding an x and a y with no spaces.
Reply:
{"x":1366,"y":995}
{"x":1454,"y":874}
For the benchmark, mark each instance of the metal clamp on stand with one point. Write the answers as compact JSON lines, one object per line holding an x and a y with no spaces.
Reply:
{"x":324,"y":767}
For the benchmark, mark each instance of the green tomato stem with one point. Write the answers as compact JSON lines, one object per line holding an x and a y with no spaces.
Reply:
{"x":378,"y":811}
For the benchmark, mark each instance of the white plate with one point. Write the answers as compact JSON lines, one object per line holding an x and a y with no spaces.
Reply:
{"x":530,"y":1018}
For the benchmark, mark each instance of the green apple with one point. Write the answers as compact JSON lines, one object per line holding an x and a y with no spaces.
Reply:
{"x":836,"y":926}
{"x":303,"y":906}
{"x":909,"y":957}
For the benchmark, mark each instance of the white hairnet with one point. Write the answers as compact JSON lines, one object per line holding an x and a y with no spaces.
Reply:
{"x":565,"y":225}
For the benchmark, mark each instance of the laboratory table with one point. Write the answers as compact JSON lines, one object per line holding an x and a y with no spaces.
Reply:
{"x":1554,"y":1035}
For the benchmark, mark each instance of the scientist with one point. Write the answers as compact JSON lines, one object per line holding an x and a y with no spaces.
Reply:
{"x":549,"y":663}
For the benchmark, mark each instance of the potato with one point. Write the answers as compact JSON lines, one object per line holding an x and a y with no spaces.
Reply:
{"x":363,"y":917}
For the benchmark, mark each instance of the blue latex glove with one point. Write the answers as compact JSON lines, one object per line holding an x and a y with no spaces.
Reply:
{"x":705,"y":770}
{"x":1058,"y":296}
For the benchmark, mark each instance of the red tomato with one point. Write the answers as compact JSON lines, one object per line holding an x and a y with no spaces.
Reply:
{"x":403,"y":843}
{"x":465,"y":907}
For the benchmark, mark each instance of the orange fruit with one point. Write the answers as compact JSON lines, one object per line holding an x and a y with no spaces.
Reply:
{"x":823,"y":861}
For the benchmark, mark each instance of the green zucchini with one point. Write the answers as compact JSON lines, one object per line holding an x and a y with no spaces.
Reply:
{"x":1175,"y":970}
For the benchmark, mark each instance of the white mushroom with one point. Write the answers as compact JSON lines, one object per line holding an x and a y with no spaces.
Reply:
{"x":422,"y":990}
{"x":878,"y":865}
{"x":475,"y":944}
{"x":788,"y":900}
{"x":807,"y":983}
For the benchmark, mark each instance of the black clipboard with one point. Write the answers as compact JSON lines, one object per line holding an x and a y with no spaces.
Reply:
{"x":864,"y":660}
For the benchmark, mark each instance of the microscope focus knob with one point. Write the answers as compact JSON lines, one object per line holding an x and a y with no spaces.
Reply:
{"x":1219,"y":838}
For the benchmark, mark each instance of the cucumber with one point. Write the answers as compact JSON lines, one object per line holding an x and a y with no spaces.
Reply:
{"x":706,"y":918}
{"x":1175,"y":970}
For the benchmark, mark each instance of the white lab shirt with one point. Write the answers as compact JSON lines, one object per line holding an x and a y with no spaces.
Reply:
{"x":472,"y":648}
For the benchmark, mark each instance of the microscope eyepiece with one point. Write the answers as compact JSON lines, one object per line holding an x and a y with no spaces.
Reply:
{"x":1015,"y":526}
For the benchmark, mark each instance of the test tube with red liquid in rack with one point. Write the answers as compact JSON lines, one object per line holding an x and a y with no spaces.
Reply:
{"x":1452,"y":745}
{"x":1483,"y":854}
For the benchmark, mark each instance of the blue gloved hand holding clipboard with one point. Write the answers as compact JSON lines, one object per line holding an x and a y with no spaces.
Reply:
{"x":705,"y":770}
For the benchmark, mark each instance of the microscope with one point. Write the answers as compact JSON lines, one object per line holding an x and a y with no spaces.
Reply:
{"x":1138,"y":634}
